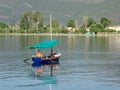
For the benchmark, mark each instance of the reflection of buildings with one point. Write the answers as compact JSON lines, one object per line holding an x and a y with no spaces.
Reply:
{"x":114,"y":44}
{"x":71,"y":41}
{"x":87,"y":43}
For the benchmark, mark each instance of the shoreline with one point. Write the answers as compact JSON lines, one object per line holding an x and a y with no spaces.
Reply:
{"x":59,"y":34}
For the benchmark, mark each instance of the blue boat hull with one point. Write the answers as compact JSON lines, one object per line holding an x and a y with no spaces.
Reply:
{"x":45,"y":60}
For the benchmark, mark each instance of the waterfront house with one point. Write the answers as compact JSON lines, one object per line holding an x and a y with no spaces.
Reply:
{"x":116,"y":27}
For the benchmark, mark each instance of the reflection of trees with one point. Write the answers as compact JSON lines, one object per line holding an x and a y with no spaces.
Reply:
{"x":11,"y":43}
{"x":71,"y":41}
{"x":87,"y":43}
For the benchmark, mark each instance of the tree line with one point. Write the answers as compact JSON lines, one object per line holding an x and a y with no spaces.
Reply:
{"x":32,"y":22}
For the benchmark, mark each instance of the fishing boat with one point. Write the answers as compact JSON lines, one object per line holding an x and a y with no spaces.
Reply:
{"x":52,"y":58}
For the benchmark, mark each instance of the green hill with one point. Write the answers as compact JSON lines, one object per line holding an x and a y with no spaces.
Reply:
{"x":11,"y":10}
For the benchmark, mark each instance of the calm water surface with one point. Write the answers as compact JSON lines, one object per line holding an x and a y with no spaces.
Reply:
{"x":87,"y":63}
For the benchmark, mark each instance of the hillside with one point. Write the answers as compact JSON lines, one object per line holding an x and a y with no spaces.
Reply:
{"x":11,"y":10}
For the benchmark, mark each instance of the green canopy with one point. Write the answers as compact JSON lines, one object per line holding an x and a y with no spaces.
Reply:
{"x":44,"y":44}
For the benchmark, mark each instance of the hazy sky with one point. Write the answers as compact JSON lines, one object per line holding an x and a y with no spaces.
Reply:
{"x":83,"y":1}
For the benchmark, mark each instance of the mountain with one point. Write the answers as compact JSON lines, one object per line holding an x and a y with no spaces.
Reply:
{"x":11,"y":10}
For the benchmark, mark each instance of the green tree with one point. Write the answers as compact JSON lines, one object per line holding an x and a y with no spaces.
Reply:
{"x":32,"y":22}
{"x":90,"y":22}
{"x":71,"y":23}
{"x":37,"y":20}
{"x":63,"y":30}
{"x":105,"y":22}
{"x":96,"y":28}
{"x":87,"y":21}
{"x":3,"y":25}
{"x":82,"y":30}
{"x":25,"y":21}
{"x":55,"y":23}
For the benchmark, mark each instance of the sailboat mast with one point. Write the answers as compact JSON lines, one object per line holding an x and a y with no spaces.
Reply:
{"x":51,"y":32}
{"x":51,"y":26}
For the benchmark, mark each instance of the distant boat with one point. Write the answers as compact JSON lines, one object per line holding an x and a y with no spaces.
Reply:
{"x":90,"y":33}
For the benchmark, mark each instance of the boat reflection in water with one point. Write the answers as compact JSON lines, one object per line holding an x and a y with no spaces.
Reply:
{"x":48,"y":79}
{"x":39,"y":68}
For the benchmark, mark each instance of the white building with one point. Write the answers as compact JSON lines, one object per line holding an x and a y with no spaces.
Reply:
{"x":117,"y":28}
